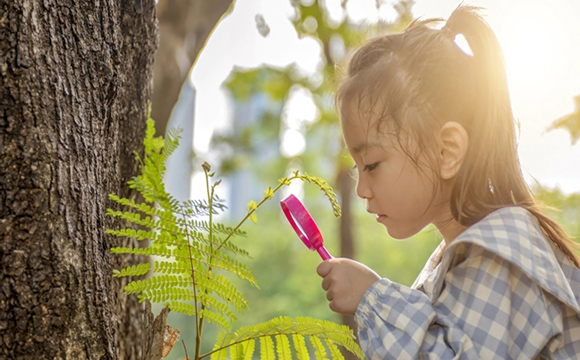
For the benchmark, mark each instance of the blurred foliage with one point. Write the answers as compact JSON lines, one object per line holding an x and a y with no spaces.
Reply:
{"x":336,"y":40}
{"x":561,"y":207}
{"x":571,"y":122}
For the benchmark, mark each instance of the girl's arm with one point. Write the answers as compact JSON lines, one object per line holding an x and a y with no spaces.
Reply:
{"x":486,"y":309}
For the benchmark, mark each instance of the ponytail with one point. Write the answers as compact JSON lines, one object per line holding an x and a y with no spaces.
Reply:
{"x":491,"y":177}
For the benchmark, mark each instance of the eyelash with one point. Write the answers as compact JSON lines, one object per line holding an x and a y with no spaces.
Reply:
{"x":369,"y":167}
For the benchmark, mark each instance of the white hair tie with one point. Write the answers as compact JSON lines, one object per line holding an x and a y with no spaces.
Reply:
{"x":462,"y":44}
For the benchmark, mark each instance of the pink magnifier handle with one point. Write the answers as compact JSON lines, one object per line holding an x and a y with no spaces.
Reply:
{"x":304,"y":225}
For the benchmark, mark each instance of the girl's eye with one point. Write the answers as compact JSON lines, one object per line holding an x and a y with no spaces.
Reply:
{"x":371,"y":167}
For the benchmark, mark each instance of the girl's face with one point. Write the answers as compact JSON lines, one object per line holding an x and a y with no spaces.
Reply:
{"x":404,"y":195}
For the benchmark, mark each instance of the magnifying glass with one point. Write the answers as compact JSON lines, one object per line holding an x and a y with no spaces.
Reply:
{"x":304,"y":225}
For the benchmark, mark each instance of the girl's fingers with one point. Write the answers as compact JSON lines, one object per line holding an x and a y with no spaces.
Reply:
{"x":326,"y":284}
{"x":324,"y":268}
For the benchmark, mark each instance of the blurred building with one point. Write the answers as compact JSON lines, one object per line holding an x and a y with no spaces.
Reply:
{"x":248,"y":115}
{"x":179,"y":165}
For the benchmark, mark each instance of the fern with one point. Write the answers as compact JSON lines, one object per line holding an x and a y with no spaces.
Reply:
{"x":274,"y":339}
{"x":193,"y":252}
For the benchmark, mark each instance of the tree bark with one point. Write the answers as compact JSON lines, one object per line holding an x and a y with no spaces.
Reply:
{"x":74,"y":87}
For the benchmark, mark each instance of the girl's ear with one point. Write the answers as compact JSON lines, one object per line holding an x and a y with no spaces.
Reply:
{"x":453,"y":146}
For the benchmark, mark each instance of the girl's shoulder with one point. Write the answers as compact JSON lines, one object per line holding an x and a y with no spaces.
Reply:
{"x":514,"y":234}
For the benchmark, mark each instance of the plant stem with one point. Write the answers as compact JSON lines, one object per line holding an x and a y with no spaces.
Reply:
{"x":251,"y":212}
{"x":185,"y":349}
{"x":210,"y":235}
{"x":197,"y":313}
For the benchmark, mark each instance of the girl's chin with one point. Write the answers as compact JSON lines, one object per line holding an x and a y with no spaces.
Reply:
{"x":398,"y":232}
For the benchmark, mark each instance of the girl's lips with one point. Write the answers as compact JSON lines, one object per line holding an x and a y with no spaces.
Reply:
{"x":380,"y":217}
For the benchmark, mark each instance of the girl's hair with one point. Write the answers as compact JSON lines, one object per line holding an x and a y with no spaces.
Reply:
{"x":419,"y":79}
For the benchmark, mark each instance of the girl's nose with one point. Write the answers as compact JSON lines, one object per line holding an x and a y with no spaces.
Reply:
{"x":362,"y":189}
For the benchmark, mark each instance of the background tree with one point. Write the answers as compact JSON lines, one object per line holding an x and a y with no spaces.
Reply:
{"x":74,"y":87}
{"x":184,"y":27}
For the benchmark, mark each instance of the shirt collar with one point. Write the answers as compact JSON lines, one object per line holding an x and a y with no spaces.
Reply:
{"x":514,"y":234}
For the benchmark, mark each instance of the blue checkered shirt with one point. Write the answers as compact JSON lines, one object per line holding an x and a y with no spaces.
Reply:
{"x":500,"y":291}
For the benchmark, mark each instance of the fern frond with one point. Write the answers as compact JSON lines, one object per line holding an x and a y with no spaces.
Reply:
{"x":224,"y":289}
{"x":132,"y":233}
{"x":323,"y":185}
{"x":151,"y":186}
{"x":164,"y":295}
{"x":150,"y":251}
{"x":152,"y":143}
{"x":181,"y":307}
{"x":236,"y":352}
{"x":171,"y":267}
{"x":161,"y":288}
{"x":201,"y":256}
{"x":135,"y":270}
{"x":159,"y":220}
{"x":334,"y":350}
{"x":220,"y":349}
{"x":240,"y":270}
{"x":248,"y":348}
{"x":319,"y":332}
{"x":217,"y":227}
{"x":171,"y":142}
{"x":229,"y":246}
{"x":200,"y":207}
{"x":283,"y":348}
{"x":159,"y":282}
{"x":162,"y":231}
{"x":267,"y":348}
{"x":215,"y":319}
{"x":143,"y":208}
{"x":300,"y":347}
{"x":135,"y":218}
{"x":319,"y":350}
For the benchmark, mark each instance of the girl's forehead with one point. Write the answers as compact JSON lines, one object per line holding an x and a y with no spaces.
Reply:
{"x":358,"y":114}
{"x":362,"y":131}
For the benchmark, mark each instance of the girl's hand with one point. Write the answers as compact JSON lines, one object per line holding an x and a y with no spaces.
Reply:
{"x":345,"y":282}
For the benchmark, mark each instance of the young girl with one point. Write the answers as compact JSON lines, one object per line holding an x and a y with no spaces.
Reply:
{"x":429,"y":125}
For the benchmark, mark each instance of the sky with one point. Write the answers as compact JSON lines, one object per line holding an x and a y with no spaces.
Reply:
{"x":541,"y":44}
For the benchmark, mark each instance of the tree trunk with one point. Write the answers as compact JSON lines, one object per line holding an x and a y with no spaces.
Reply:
{"x":74,"y":87}
{"x":184,"y":27}
{"x":347,"y":249}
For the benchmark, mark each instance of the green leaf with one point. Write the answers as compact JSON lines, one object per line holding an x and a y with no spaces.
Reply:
{"x":283,"y":348}
{"x":267,"y":349}
{"x":269,"y":193}
{"x":319,"y":350}
{"x":300,"y":347}
{"x":254,"y":218}
{"x":249,"y":348}
{"x":135,"y":270}
{"x":334,"y":351}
